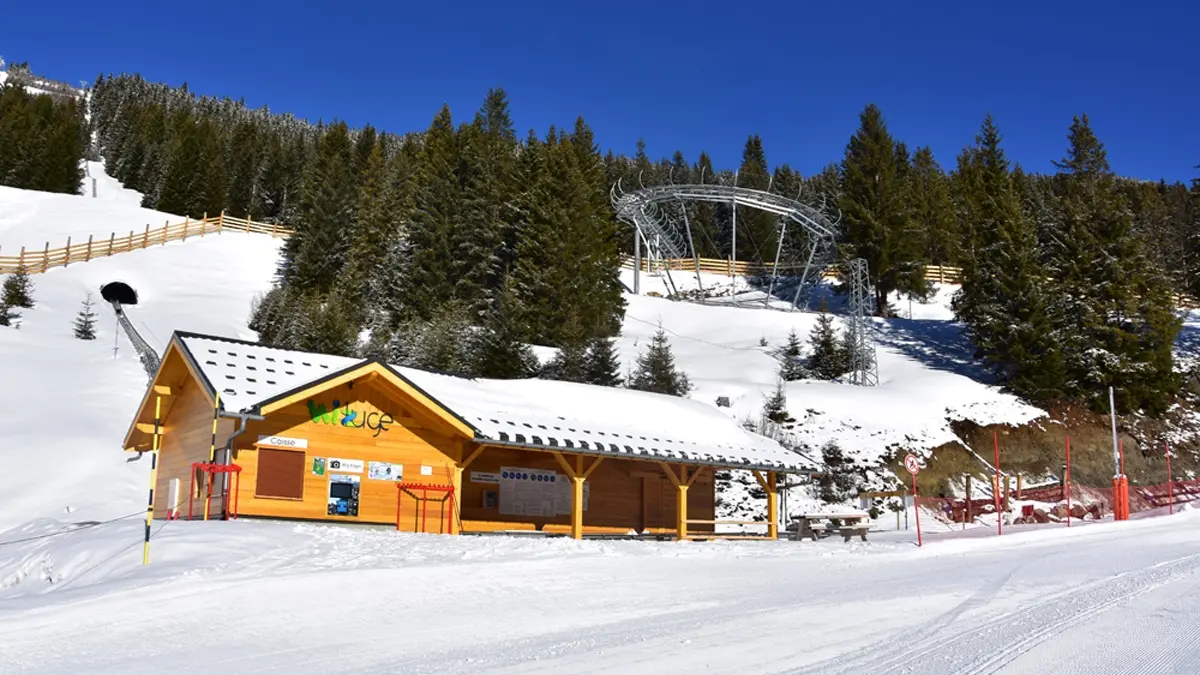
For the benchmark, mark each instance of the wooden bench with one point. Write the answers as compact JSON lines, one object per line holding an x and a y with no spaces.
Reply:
{"x":816,"y":525}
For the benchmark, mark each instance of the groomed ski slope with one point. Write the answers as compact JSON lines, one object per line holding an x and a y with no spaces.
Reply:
{"x":288,"y":599}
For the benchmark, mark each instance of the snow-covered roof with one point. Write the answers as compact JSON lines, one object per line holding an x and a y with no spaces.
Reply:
{"x":526,"y":413}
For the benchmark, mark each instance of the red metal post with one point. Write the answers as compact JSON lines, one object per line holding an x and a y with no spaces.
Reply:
{"x":1067,"y":481}
{"x":400,"y":495}
{"x":996,"y":483}
{"x":916,"y":510}
{"x":424,"y":507}
{"x":1170,"y":484}
{"x":191,"y":490}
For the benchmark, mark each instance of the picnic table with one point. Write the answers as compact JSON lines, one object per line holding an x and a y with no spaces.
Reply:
{"x":816,"y":525}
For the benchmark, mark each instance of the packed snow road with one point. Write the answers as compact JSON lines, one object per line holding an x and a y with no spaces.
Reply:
{"x":275,"y":598}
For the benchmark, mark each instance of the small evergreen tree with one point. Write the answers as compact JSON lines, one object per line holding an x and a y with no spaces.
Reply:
{"x":85,"y":322}
{"x":570,"y":363}
{"x":656,"y":370}
{"x":791,"y":359}
{"x":839,"y":482}
{"x":829,"y":358}
{"x":8,"y":316}
{"x":775,"y":407}
{"x":602,"y":366}
{"x":18,"y":290}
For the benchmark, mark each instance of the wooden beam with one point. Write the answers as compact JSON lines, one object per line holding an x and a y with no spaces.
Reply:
{"x":592,"y":468}
{"x":145,"y":428}
{"x":670,"y":473}
{"x":162,"y":390}
{"x":699,"y":471}
{"x":470,"y":458}
{"x":762,"y":482}
{"x":562,"y":461}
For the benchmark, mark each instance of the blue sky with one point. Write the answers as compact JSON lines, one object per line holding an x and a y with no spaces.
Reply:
{"x":683,"y":75}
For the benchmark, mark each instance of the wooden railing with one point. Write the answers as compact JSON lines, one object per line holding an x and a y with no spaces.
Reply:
{"x":943,"y":274}
{"x":39,"y":261}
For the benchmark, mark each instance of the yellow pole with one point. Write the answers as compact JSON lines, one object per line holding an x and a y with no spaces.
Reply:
{"x":577,"y":507}
{"x":772,"y":506}
{"x":681,"y":512}
{"x":153,"y":480}
{"x":212,"y":455}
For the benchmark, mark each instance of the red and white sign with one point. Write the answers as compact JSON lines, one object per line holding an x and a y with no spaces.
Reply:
{"x":911,"y":463}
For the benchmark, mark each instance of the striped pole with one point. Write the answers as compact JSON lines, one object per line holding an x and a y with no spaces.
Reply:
{"x":212,"y":454}
{"x":153,"y":480}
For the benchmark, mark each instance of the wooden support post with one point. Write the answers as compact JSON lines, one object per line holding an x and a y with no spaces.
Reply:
{"x":167,"y":225}
{"x":578,"y":476}
{"x":772,"y":506}
{"x":67,"y":259}
{"x":46,"y":256}
{"x":21,"y":261}
{"x":220,"y":222}
{"x":1019,"y":476}
{"x":89,"y":249}
{"x":145,"y":238}
{"x":111,"y":238}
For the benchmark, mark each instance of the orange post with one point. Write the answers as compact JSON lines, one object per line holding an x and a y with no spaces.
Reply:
{"x":1067,"y":481}
{"x":1170,"y":484}
{"x":996,"y":484}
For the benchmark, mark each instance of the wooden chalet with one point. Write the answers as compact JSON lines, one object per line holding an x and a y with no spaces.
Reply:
{"x":247,"y":429}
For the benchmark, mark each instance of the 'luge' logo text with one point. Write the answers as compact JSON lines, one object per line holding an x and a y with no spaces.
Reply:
{"x":349,"y":418}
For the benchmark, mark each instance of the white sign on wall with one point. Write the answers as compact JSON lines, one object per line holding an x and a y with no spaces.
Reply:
{"x":536,"y":492}
{"x":335,"y":465}
{"x":385,"y":471}
{"x":485,"y":477}
{"x":282,"y":441}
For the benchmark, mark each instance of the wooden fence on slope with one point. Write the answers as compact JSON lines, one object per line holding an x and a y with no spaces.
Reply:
{"x":39,"y":261}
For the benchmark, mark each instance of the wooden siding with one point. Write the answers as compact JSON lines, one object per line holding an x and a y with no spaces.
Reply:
{"x":187,"y":438}
{"x":414,"y":439}
{"x":623,"y":495}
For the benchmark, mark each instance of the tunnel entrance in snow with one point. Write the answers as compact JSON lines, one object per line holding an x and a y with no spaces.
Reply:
{"x":119,"y":291}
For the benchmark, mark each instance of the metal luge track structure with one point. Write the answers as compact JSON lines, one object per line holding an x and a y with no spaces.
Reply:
{"x":658,"y":215}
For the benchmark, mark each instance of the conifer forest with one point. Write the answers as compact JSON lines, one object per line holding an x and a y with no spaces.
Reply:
{"x":458,"y":246}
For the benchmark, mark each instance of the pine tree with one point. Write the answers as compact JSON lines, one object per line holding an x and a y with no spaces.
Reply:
{"x":876,"y":212}
{"x":1115,"y":320}
{"x":437,"y":201}
{"x":8,"y":316}
{"x":756,"y":229}
{"x":791,"y":359}
{"x":1003,"y":300}
{"x":18,"y":290}
{"x":569,"y":364}
{"x":480,"y":240}
{"x":499,"y":350}
{"x":85,"y":321}
{"x":602,"y":366}
{"x":839,"y":482}
{"x":656,"y":370}
{"x":316,"y":253}
{"x":933,"y":211}
{"x":775,"y":406}
{"x":829,"y":359}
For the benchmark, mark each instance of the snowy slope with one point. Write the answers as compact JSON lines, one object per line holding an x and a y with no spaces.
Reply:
{"x":69,"y":402}
{"x":206,"y":285}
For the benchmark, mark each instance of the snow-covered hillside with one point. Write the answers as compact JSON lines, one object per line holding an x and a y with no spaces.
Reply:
{"x":206,"y":285}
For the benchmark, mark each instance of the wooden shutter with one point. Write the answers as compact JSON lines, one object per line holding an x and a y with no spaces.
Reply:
{"x":280,"y":474}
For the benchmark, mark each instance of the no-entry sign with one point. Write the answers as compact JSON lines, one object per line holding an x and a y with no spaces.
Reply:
{"x":913,"y":466}
{"x":910,"y":463}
